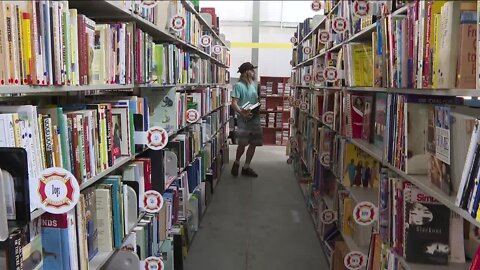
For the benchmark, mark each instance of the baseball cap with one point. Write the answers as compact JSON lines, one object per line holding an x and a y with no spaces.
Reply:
{"x":246,"y":66}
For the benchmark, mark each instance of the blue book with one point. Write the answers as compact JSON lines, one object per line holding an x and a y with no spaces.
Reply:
{"x":115,"y":181}
{"x":58,"y":241}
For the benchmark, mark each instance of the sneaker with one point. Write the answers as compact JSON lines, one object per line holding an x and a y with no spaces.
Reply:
{"x":249,"y":172}
{"x":235,"y":168}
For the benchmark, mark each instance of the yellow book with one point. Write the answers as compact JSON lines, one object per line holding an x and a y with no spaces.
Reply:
{"x":41,"y":132}
{"x":348,"y":223}
{"x":362,"y":64}
{"x":435,"y":43}
{"x":57,"y":150}
{"x":16,"y":130}
{"x":27,"y":45}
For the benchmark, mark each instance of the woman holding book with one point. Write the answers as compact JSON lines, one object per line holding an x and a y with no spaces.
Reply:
{"x":249,"y":129}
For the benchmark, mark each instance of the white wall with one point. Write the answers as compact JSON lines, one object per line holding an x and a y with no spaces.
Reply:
{"x":238,"y":55}
{"x":275,"y":62}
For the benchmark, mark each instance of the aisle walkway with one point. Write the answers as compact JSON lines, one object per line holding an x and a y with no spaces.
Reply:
{"x":257,"y":224}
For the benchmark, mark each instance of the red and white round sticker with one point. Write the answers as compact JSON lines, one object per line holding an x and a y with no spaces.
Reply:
{"x":157,"y":138}
{"x":327,"y":118}
{"x":58,"y":190}
{"x":217,"y":49}
{"x":205,"y":40}
{"x":304,"y":106}
{"x":291,"y":120}
{"x":319,"y":76}
{"x":289,"y":161}
{"x":178,"y":22}
{"x":328,"y":216}
{"x":324,"y":36}
{"x":293,"y":40}
{"x":293,"y":142}
{"x":340,"y":24}
{"x":307,"y":78}
{"x":330,"y":74}
{"x":192,"y":116}
{"x":316,"y":5}
{"x":148,"y":3}
{"x":355,"y":260}
{"x":291,"y":99}
{"x":361,"y":8}
{"x":364,"y":213}
{"x":154,"y":263}
{"x":152,"y":201}
{"x":307,"y":50}
{"x":297,"y":103}
{"x":325,"y":159}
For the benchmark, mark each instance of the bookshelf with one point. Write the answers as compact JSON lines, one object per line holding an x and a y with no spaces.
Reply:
{"x":360,"y":126}
{"x":274,"y":109}
{"x":97,"y":129}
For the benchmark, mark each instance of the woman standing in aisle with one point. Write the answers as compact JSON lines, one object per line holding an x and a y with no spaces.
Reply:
{"x":249,"y":129}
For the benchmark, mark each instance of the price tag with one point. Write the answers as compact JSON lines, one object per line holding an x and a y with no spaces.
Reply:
{"x":152,"y":201}
{"x":316,"y":5}
{"x":217,"y":49}
{"x":178,"y":23}
{"x":205,"y":40}
{"x":319,"y":76}
{"x":304,"y":106}
{"x":364,"y":213}
{"x":148,"y":3}
{"x":307,"y":78}
{"x":157,"y":138}
{"x":307,"y":50}
{"x":154,"y":263}
{"x":355,"y":260}
{"x":361,"y":8}
{"x":293,"y":40}
{"x":340,"y":24}
{"x":330,"y":74}
{"x":324,"y":36}
{"x":327,"y":118}
{"x":325,"y":159}
{"x":192,"y":116}
{"x":58,"y":190}
{"x":328,"y":216}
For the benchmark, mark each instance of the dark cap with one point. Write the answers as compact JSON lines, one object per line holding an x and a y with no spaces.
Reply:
{"x":246,"y":66}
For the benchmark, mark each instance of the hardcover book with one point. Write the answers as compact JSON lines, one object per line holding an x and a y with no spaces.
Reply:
{"x":359,"y":168}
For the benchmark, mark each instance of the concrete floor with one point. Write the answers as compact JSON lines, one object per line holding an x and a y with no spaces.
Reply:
{"x":257,"y":224}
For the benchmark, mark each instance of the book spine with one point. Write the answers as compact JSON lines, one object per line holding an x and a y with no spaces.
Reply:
{"x":427,"y":55}
{"x":87,"y":144}
{"x":47,"y":130}
{"x":75,"y":147}
{"x":109,"y":120}
{"x":82,"y":50}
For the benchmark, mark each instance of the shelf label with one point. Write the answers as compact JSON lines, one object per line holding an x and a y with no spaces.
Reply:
{"x":325,"y":159}
{"x":217,"y":49}
{"x":307,"y":50}
{"x":192,"y":116}
{"x":340,"y":25}
{"x":330,"y":74}
{"x":157,"y":138}
{"x":178,"y":23}
{"x":319,"y":76}
{"x":58,"y":190}
{"x":307,"y":78}
{"x":316,"y":5}
{"x":293,"y":142}
{"x":361,"y":8}
{"x":148,"y":3}
{"x":327,"y":118}
{"x":328,"y":216}
{"x":289,"y":161}
{"x":364,"y":213}
{"x":206,"y":40}
{"x":324,"y":36}
{"x":355,"y":260}
{"x":291,"y":121}
{"x":304,"y":106}
{"x":153,"y":263}
{"x":152,"y":201}
{"x":293,"y":40}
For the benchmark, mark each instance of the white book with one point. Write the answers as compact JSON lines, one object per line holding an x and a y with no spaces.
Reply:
{"x":74,"y":52}
{"x":104,"y":219}
{"x":72,"y":236}
{"x":8,"y":186}
{"x":90,"y":138}
{"x":421,"y":42}
{"x":121,"y":61}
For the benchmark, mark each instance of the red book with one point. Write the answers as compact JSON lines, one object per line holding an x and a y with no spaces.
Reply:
{"x":87,"y":143}
{"x":82,"y":50}
{"x":476,"y":260}
{"x":427,"y":52}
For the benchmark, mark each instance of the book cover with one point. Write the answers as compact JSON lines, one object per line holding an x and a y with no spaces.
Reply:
{"x":91,"y":221}
{"x":380,"y":119}
{"x":104,"y":220}
{"x":359,"y":168}
{"x":163,"y":109}
{"x":416,"y":122}
{"x":466,"y":63}
{"x":368,"y":126}
{"x":427,"y":227}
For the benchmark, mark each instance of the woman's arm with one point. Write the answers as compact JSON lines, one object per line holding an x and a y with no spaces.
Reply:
{"x":245,"y":113}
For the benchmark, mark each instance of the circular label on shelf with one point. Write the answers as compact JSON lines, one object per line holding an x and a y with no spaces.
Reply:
{"x":355,"y":260}
{"x":178,"y":22}
{"x":307,"y":50}
{"x":361,"y":8}
{"x":157,"y":138}
{"x":319,"y":76}
{"x":364,"y":213}
{"x":327,"y":118}
{"x":328,"y":216}
{"x":325,"y":159}
{"x":206,"y":40}
{"x":339,"y":24}
{"x":58,"y":190}
{"x":152,"y":201}
{"x":297,"y":103}
{"x":316,"y":5}
{"x":291,"y":99}
{"x":289,"y":161}
{"x":304,"y":106}
{"x":330,"y":74}
{"x":192,"y":116}
{"x":324,"y":36}
{"x":307,"y":78}
{"x":217,"y":49}
{"x":293,"y":40}
{"x":291,"y":121}
{"x":153,"y":263}
{"x":148,"y":3}
{"x":293,"y":142}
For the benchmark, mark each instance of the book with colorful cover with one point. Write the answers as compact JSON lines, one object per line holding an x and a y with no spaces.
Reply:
{"x":359,"y":168}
